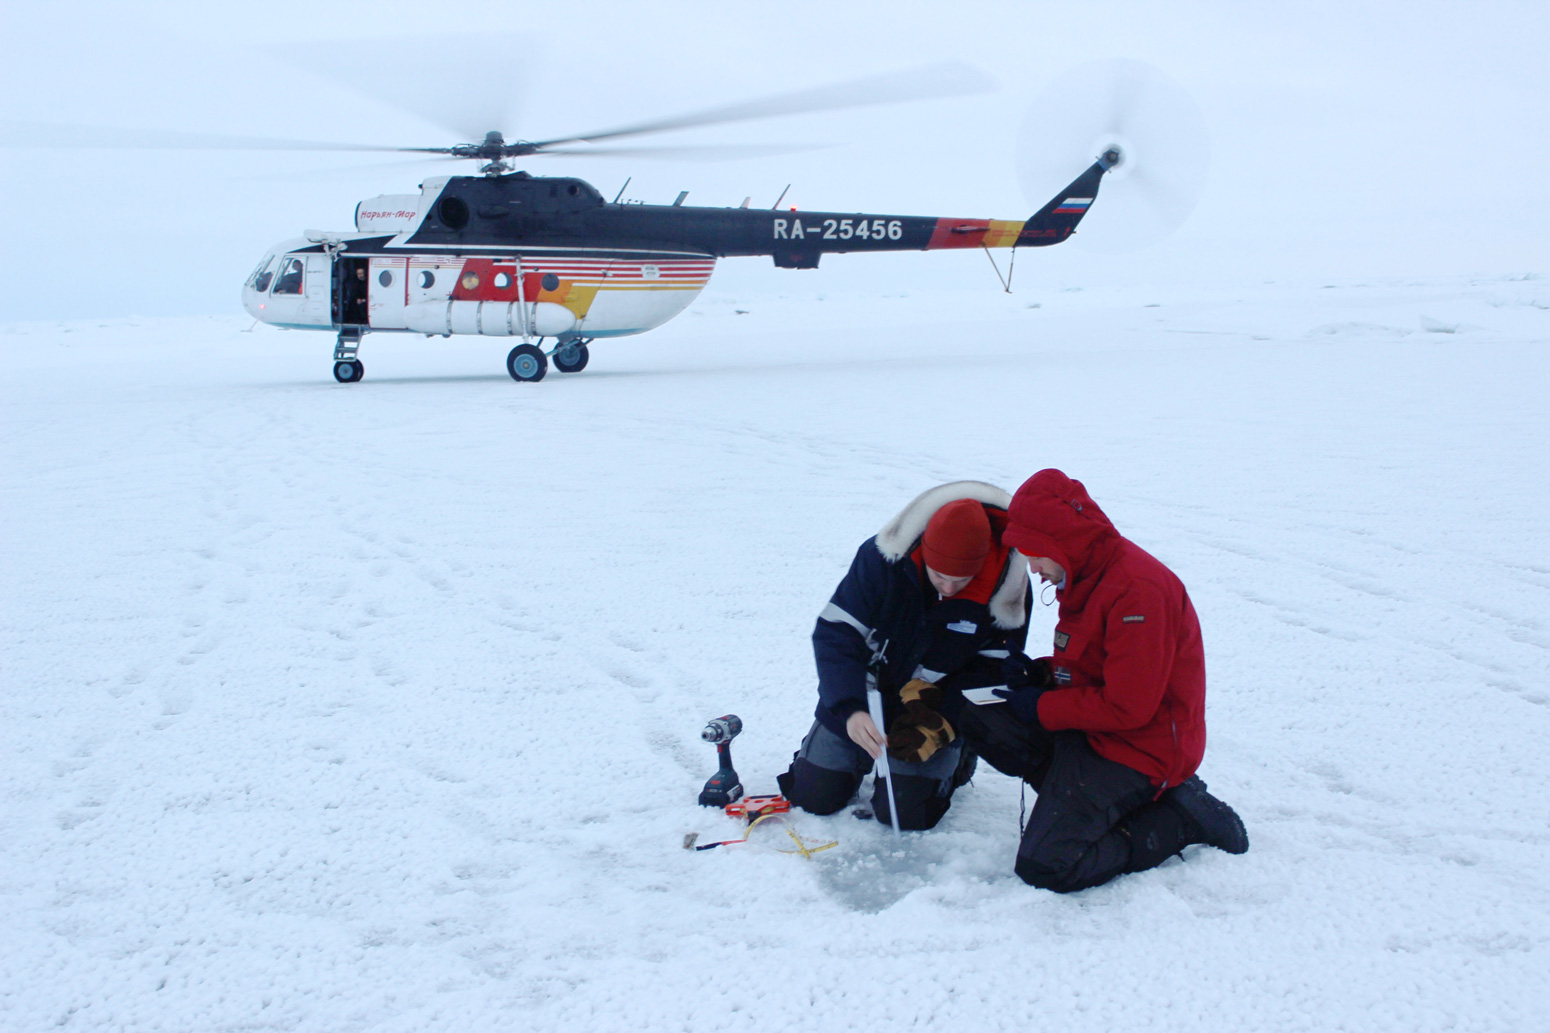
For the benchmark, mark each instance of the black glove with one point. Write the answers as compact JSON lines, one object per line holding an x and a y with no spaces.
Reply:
{"x":1024,"y":702}
{"x":1021,"y":672}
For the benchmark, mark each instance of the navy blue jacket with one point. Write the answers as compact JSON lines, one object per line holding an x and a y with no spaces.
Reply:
{"x":881,"y":601}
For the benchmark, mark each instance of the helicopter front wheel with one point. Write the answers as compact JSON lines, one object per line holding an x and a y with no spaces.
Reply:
{"x":349,"y":372}
{"x":526,"y":363}
{"x":572,"y":358}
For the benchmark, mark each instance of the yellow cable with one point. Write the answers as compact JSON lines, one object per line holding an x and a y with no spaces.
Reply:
{"x":805,"y":850}
{"x":802,"y":848}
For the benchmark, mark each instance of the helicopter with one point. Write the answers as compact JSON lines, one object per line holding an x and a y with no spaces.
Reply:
{"x":546,"y":259}
{"x":509,"y":254}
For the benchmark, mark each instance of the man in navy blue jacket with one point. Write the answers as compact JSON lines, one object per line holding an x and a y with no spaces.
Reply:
{"x":935,"y":601}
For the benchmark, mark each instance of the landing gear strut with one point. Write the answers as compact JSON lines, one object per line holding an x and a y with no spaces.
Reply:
{"x":571,"y":357}
{"x":348,"y":368}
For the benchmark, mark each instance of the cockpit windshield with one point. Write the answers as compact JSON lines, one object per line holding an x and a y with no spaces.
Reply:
{"x":261,"y":275}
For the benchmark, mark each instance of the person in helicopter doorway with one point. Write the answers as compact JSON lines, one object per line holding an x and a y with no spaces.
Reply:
{"x":935,"y":602}
{"x":352,"y":306}
{"x":1110,"y":727}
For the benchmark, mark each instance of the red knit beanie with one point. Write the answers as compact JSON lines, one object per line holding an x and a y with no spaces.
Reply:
{"x":957,"y":539}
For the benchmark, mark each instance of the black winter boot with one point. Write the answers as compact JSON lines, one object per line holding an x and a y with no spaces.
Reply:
{"x":1155,"y":833}
{"x":1209,"y":820}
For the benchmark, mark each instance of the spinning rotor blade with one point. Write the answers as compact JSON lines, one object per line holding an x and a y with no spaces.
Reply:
{"x":1122,"y":84}
{"x":730,"y":152}
{"x":39,"y":134}
{"x":427,"y":165}
{"x":466,"y":83}
{"x":477,"y":123}
{"x":949,"y":79}
{"x":1158,"y":129}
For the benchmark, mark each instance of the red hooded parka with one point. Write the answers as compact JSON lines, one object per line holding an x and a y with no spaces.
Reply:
{"x":1128,"y":658}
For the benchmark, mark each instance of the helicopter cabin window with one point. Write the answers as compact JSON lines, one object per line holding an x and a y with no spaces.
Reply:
{"x":427,"y":279}
{"x":259,"y":281}
{"x":290,"y":277}
{"x":502,"y":281}
{"x":385,"y":278}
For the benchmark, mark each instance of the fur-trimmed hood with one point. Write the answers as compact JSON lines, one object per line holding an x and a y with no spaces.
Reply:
{"x":901,"y":535}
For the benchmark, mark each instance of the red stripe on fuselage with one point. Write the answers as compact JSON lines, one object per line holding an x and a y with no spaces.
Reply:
{"x":958,"y":233}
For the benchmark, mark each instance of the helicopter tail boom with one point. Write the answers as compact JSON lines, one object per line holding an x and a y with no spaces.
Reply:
{"x":1051,"y":224}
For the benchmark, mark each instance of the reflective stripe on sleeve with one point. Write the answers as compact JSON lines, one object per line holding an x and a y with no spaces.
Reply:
{"x":834,"y":615}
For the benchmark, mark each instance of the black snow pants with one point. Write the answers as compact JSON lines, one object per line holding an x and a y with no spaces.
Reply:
{"x":826,"y":772}
{"x":1094,"y":818}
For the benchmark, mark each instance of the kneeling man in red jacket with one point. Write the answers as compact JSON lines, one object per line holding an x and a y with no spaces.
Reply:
{"x":1110,"y":727}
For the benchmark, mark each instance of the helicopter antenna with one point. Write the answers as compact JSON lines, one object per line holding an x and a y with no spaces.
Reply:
{"x":621,"y":189}
{"x":781,"y":198}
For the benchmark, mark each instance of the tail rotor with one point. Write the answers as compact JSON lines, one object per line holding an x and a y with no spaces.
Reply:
{"x":1142,"y":125}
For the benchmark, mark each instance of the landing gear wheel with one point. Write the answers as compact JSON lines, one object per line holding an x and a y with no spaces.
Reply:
{"x":527,"y":363}
{"x":349,"y":372}
{"x":572,"y":358}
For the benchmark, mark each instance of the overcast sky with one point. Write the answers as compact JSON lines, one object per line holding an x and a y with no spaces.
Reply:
{"x":1346,"y":140}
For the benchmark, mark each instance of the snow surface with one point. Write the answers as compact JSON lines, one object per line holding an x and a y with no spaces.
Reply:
{"x":376,"y":707}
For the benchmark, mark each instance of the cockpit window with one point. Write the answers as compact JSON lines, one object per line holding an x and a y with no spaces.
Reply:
{"x":290,"y":277}
{"x":261,"y":276}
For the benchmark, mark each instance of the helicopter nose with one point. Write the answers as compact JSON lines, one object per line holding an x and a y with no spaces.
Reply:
{"x":252,"y":301}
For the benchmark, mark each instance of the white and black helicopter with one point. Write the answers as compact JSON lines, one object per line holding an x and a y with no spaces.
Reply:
{"x":547,"y":260}
{"x":542,"y":258}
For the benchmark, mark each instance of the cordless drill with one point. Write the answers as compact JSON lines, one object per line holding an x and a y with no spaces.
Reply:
{"x":724,"y":786}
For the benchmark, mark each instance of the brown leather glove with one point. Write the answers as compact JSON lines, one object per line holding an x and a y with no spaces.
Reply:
{"x":920,"y":731}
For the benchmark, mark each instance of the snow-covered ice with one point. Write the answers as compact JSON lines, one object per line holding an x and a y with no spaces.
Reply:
{"x":377,"y":706}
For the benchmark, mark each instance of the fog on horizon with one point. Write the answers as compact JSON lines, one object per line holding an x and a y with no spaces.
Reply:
{"x":1394,"y":140}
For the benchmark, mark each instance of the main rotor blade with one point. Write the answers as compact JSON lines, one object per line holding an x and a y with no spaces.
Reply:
{"x":948,"y":79}
{"x":729,"y":152}
{"x":353,"y":171}
{"x":42,"y":134}
{"x":465,"y":82}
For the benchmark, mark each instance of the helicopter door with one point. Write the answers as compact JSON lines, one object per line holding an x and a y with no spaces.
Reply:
{"x":350,"y":291}
{"x":388,"y":292}
{"x":317,"y":301}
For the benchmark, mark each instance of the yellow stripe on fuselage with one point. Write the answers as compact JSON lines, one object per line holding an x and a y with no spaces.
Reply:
{"x":1002,"y":233}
